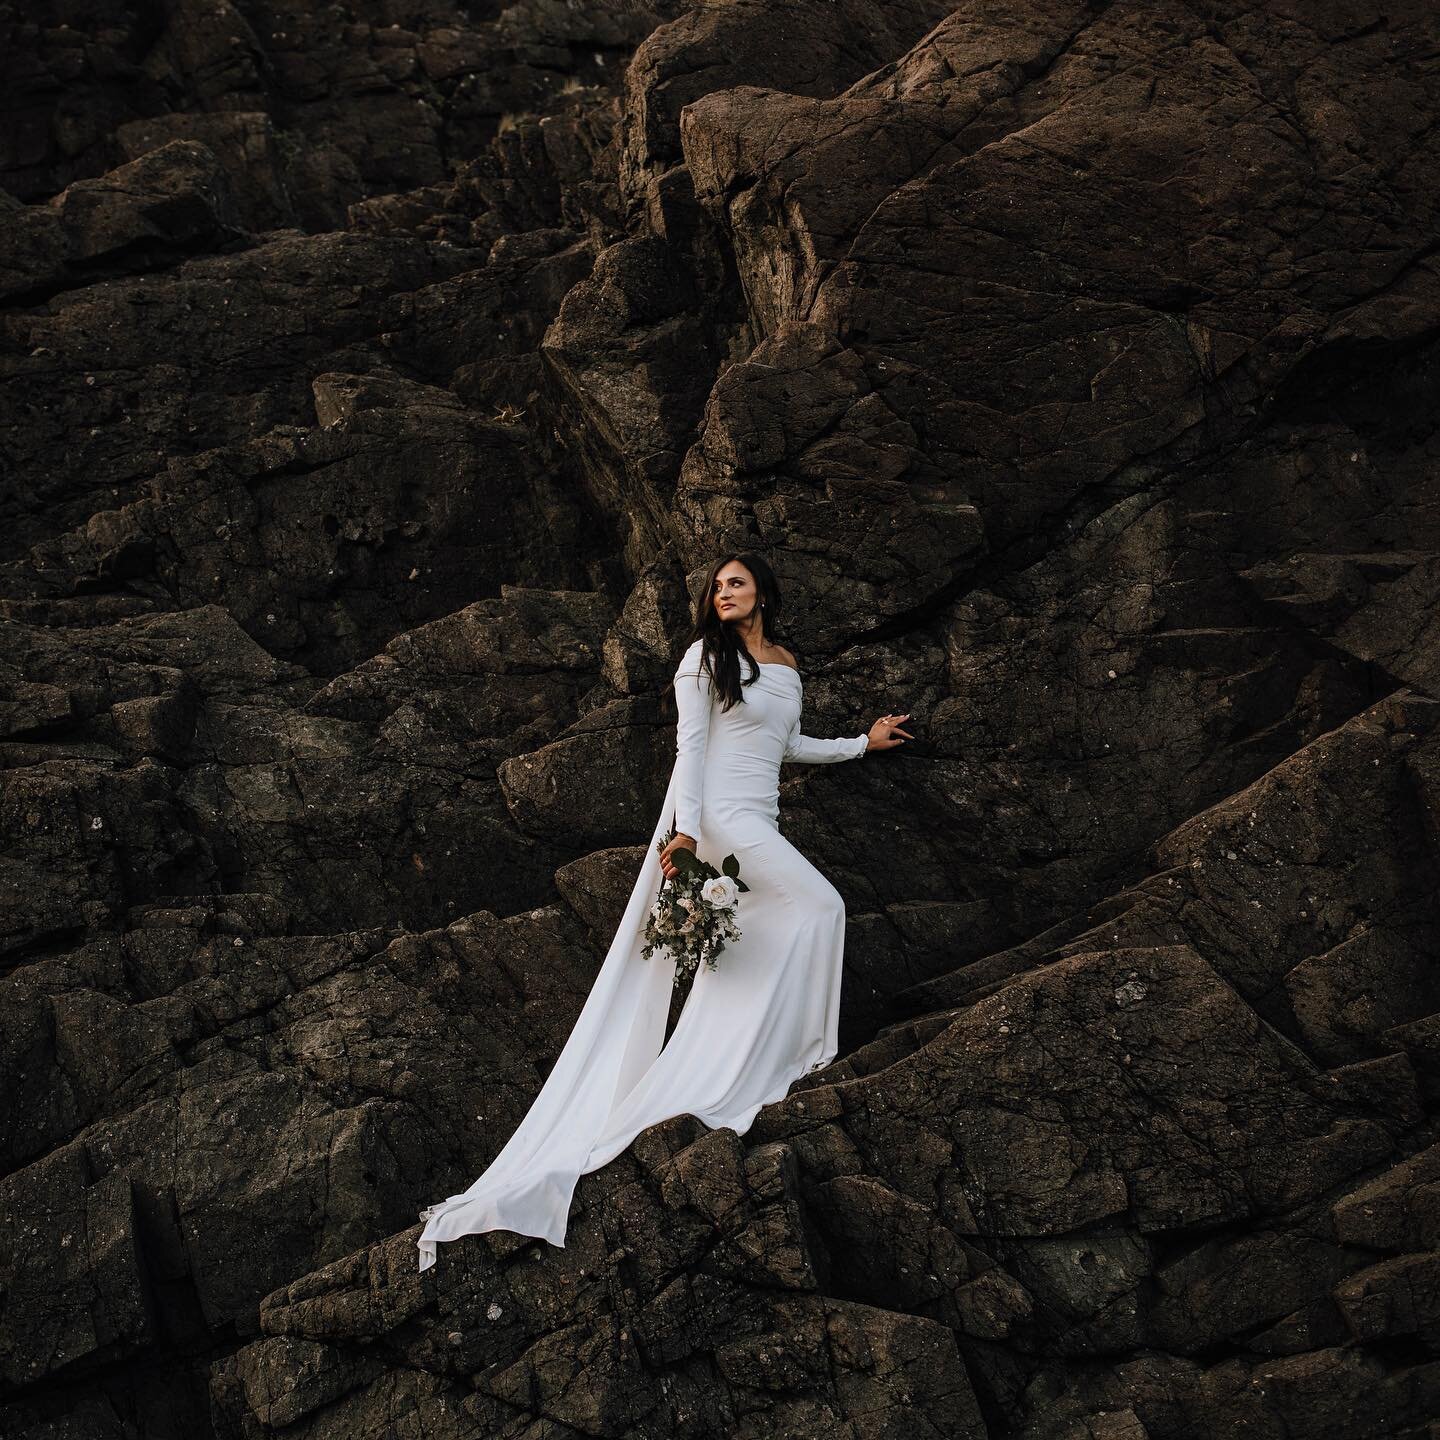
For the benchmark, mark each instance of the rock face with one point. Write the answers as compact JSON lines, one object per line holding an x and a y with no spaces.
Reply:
{"x":377,"y":386}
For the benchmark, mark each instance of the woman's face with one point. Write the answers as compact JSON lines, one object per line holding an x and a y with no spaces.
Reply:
{"x":735,"y":594}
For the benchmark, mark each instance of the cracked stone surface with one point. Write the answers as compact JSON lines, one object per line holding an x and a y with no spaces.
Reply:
{"x":378,"y":386}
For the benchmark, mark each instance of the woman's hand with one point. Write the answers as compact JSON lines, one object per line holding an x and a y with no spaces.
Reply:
{"x":883,"y":731}
{"x":681,"y":841}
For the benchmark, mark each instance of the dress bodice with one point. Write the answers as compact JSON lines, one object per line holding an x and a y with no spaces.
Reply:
{"x":734,"y":755}
{"x":760,"y":724}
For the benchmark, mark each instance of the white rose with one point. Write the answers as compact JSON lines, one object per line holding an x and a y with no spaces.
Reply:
{"x":719,"y":891}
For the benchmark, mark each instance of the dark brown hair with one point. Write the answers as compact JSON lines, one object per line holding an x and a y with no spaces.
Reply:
{"x":721,"y":650}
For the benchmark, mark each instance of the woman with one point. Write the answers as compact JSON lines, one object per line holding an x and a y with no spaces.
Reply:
{"x":769,"y":1012}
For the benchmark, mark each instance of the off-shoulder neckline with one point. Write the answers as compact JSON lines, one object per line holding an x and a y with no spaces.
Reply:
{"x":698,"y":645}
{"x":781,"y":665}
{"x":774,"y":664}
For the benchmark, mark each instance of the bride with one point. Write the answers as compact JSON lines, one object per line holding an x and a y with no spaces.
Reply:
{"x":770,"y":1012}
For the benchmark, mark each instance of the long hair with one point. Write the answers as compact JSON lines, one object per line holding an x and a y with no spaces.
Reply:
{"x":721,"y":651}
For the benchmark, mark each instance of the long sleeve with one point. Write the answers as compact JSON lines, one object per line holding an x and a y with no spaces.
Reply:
{"x":807,"y":750}
{"x":694,"y":693}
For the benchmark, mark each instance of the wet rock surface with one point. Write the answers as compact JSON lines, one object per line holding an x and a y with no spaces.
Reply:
{"x":377,"y":386}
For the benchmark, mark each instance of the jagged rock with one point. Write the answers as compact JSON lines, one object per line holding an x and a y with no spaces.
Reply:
{"x":322,"y":1063}
{"x":1399,"y":1298}
{"x":1398,"y":1210}
{"x":361,"y":107}
{"x":326,"y":542}
{"x":247,"y":147}
{"x":634,"y":357}
{"x":75,"y":1291}
{"x":114,"y":383}
{"x":377,"y":390}
{"x":808,"y":47}
{"x":141,"y":216}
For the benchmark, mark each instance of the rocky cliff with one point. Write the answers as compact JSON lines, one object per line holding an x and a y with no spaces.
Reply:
{"x":377,"y":381}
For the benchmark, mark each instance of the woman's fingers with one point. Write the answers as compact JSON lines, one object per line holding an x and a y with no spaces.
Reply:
{"x":895,"y":729}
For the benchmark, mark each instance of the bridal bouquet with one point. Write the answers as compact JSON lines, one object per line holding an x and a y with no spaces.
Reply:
{"x":693,"y":916}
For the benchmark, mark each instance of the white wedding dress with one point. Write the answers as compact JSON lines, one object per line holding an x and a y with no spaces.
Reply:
{"x":765,"y":1016}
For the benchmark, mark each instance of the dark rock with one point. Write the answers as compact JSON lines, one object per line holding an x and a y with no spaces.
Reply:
{"x":377,"y":388}
{"x":143,"y":216}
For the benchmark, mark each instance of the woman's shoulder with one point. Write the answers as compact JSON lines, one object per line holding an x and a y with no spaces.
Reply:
{"x":696,"y":648}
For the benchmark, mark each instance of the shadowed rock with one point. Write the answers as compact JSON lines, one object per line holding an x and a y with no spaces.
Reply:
{"x":378,"y":390}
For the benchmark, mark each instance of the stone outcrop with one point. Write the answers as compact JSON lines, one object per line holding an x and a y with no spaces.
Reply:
{"x":378,"y":386}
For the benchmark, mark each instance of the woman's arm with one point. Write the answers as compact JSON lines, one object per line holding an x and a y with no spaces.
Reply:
{"x":807,"y":750}
{"x":693,"y":693}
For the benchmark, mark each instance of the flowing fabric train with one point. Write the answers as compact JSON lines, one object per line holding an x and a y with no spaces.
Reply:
{"x":528,"y":1187}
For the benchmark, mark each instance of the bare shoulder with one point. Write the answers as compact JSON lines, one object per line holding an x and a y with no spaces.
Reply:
{"x":787,"y":657}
